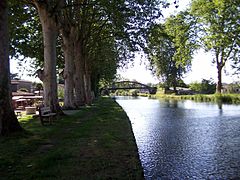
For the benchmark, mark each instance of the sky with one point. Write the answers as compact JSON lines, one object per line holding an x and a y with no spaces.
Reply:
{"x":202,"y":67}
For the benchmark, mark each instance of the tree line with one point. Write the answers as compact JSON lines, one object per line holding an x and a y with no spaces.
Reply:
{"x":90,"y":39}
{"x":212,"y":25}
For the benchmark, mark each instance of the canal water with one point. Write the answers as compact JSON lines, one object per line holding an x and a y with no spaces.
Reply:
{"x":185,"y":139}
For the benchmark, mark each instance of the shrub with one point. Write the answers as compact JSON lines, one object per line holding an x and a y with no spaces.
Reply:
{"x":205,"y":87}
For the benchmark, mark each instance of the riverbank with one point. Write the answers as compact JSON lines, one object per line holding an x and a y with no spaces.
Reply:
{"x":222,"y":98}
{"x":95,"y":143}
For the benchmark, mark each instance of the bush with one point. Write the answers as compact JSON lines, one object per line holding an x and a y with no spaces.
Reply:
{"x":205,"y":87}
{"x":134,"y":92}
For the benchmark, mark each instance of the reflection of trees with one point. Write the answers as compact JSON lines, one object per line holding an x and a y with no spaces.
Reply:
{"x":171,"y":103}
{"x":220,"y":104}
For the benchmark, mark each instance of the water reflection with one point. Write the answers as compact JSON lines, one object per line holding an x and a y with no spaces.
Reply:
{"x":185,"y":139}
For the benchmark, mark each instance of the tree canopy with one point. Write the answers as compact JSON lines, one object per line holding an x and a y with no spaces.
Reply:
{"x":218,"y":30}
{"x":170,"y":48}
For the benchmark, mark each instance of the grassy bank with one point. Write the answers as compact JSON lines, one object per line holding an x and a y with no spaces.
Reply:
{"x":95,"y":143}
{"x":223,"y":98}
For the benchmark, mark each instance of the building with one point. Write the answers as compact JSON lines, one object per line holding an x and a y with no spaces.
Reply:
{"x":17,"y":85}
{"x":231,"y":88}
{"x":23,"y":95}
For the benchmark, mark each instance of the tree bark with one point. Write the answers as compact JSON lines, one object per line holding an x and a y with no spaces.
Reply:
{"x":50,"y":32}
{"x":220,"y":65}
{"x":87,"y":84}
{"x":219,"y":83}
{"x":95,"y":78}
{"x":68,"y":70}
{"x":79,"y":74}
{"x":8,"y":119}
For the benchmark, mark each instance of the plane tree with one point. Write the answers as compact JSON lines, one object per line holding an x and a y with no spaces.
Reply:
{"x":170,"y":48}
{"x":83,"y":24}
{"x":218,"y":31}
{"x":26,"y":37}
{"x":8,"y":119}
{"x":128,"y":21}
{"x":35,"y":35}
{"x":25,"y":33}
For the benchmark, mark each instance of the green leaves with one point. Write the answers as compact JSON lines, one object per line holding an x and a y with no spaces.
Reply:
{"x":170,"y":47}
{"x":219,"y":26}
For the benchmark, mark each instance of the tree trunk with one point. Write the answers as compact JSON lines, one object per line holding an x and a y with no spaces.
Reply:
{"x":79,"y":72}
{"x":68,"y":71}
{"x":95,"y":78}
{"x":49,"y":28}
{"x":87,"y":84}
{"x":8,"y":119}
{"x":219,"y":83}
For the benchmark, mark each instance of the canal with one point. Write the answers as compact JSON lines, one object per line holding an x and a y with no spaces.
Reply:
{"x":185,"y":139}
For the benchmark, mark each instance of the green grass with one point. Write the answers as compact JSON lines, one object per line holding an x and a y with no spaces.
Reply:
{"x":223,"y":98}
{"x":95,"y":143}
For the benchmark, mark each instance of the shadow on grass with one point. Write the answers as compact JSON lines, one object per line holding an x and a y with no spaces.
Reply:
{"x":95,"y":143}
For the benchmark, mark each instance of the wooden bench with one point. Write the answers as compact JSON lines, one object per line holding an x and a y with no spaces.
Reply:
{"x":46,"y":115}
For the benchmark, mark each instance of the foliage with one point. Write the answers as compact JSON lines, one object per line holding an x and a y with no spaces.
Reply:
{"x":106,"y":34}
{"x":60,"y":92}
{"x":37,"y":86}
{"x":115,"y":30}
{"x":134,"y":92}
{"x":170,"y":48}
{"x":181,"y":83}
{"x":25,"y":34}
{"x":205,"y":87}
{"x":218,"y":30}
{"x":26,"y":38}
{"x":14,"y":76}
{"x":118,"y":27}
{"x":215,"y":98}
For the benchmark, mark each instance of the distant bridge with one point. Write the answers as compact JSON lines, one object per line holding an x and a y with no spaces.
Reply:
{"x":131,"y":85}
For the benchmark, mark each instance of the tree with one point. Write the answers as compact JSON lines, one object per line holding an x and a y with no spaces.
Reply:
{"x":123,"y":22}
{"x":26,"y":37}
{"x":93,"y":22}
{"x":47,"y":11}
{"x":170,"y":48}
{"x":218,"y":30}
{"x":25,"y":33}
{"x":8,"y":119}
{"x":205,"y":87}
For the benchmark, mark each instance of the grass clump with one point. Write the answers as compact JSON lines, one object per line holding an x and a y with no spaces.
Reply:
{"x":95,"y":143}
{"x":219,"y":98}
